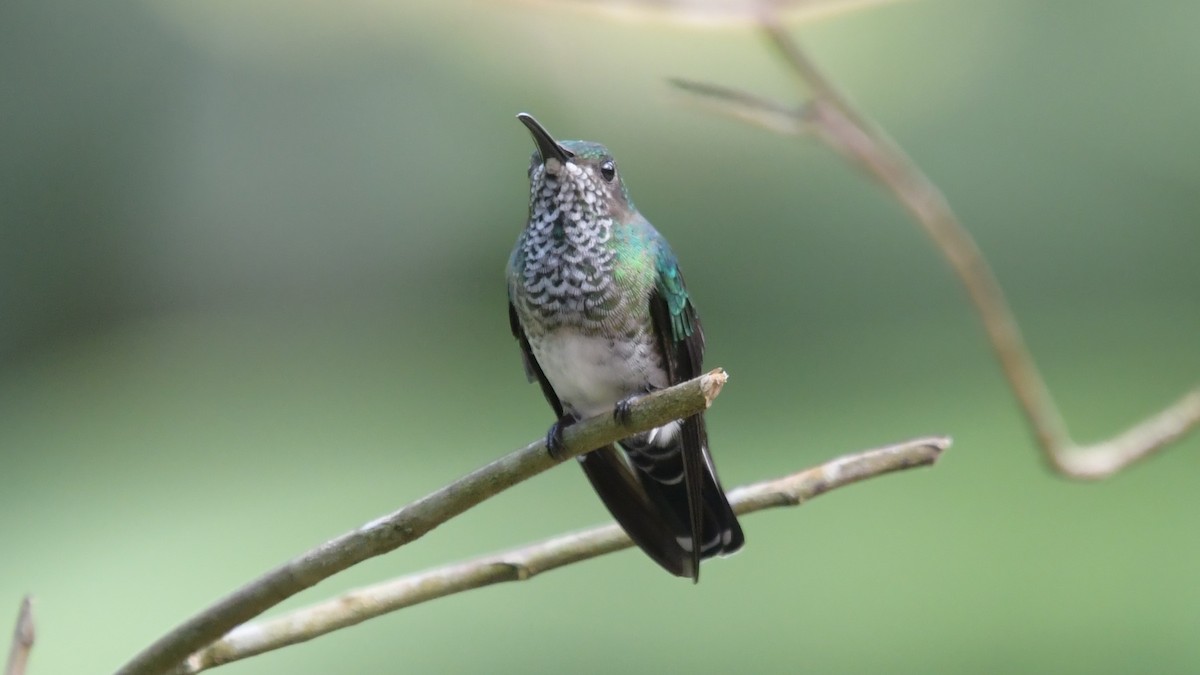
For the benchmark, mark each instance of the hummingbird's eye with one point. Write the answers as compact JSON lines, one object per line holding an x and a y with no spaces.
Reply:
{"x":609,"y":170}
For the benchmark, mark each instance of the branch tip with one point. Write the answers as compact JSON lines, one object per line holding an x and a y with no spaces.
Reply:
{"x":711,"y":384}
{"x":25,"y":633}
{"x":22,"y":639}
{"x":940,"y":443}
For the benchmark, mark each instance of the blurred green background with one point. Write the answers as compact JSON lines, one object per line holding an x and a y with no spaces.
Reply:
{"x":251,"y":280}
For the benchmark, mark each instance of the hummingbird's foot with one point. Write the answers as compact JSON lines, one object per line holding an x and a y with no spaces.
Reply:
{"x":554,"y":437}
{"x":623,"y":410}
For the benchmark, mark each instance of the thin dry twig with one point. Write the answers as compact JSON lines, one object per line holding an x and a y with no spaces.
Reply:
{"x":525,"y":563}
{"x":754,"y":110}
{"x":414,"y":520}
{"x":838,"y":123}
{"x":22,"y":639}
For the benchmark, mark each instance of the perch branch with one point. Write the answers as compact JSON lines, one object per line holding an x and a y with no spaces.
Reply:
{"x":22,"y":639}
{"x":525,"y":563}
{"x":414,"y":520}
{"x":836,"y":121}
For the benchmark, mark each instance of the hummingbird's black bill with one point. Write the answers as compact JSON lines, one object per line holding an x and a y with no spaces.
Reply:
{"x":546,"y":145}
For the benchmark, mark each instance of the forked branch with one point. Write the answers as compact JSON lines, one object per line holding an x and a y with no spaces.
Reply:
{"x":831,"y":116}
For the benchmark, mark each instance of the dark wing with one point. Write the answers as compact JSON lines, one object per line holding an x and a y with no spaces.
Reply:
{"x":613,"y":481}
{"x":713,"y":526}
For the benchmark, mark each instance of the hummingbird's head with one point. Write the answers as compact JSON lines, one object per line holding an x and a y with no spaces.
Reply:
{"x":576,"y":179}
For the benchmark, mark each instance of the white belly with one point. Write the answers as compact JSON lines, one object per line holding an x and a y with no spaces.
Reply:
{"x":590,"y":375}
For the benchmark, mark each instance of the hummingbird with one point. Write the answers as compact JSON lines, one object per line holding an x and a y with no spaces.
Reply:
{"x":600,"y":310}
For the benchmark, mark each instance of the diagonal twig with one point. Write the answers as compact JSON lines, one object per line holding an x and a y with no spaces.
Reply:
{"x":837,"y":122}
{"x":525,"y":563}
{"x":414,"y":520}
{"x":754,"y":110}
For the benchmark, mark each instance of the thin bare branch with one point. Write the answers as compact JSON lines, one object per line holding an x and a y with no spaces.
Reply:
{"x":414,"y":520}
{"x":754,"y":110}
{"x":22,"y":639}
{"x":837,"y":122}
{"x":525,"y":563}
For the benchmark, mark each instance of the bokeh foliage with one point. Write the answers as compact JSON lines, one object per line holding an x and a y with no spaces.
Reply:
{"x":251,"y":283}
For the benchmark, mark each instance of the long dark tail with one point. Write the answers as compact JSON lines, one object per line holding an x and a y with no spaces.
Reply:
{"x":663,"y":470}
{"x":652,"y":502}
{"x":629,"y":504}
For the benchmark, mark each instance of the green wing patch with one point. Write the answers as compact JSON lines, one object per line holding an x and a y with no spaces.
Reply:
{"x":670,"y":286}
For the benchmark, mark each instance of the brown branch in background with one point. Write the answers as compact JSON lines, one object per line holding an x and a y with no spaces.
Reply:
{"x":414,"y":520}
{"x":525,"y":563}
{"x":22,"y":639}
{"x":707,"y":13}
{"x":830,"y":115}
